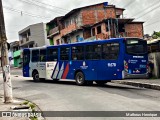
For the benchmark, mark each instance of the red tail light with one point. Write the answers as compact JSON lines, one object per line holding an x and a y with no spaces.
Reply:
{"x":125,"y":66}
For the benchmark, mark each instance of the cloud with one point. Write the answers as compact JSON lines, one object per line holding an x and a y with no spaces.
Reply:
{"x":15,"y":21}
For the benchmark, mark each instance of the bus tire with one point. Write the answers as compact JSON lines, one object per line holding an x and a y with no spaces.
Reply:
{"x":80,"y":79}
{"x":101,"y":83}
{"x":36,"y":76}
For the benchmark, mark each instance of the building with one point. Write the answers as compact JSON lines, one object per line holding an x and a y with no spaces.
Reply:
{"x":33,"y":36}
{"x":15,"y":54}
{"x":99,"y":21}
{"x":53,"y":31}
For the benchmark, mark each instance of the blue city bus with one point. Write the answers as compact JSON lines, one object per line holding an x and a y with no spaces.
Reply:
{"x":100,"y":61}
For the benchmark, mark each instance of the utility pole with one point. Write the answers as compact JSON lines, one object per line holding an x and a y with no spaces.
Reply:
{"x":8,"y":98}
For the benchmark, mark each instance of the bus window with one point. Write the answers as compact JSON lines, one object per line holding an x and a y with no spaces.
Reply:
{"x":110,"y":51}
{"x":26,"y":58}
{"x":93,"y":52}
{"x":42,"y":55}
{"x":78,"y":53}
{"x":52,"y":54}
{"x":64,"y":53}
{"x":35,"y":55}
{"x":134,"y":46}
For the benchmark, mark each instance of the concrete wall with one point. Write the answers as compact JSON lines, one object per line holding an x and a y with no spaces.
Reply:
{"x":73,"y":37}
{"x":38,"y":34}
{"x":155,"y":59}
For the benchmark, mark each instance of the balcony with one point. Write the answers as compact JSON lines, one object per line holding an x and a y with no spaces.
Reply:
{"x":53,"y":31}
{"x":68,"y":29}
{"x":25,"y":41}
{"x":21,"y":41}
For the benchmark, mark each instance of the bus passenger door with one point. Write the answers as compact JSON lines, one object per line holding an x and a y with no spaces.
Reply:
{"x":26,"y":61}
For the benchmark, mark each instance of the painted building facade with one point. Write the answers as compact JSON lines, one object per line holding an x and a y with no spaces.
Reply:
{"x":99,"y":21}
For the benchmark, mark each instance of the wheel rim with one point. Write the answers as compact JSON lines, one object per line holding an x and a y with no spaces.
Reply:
{"x":79,"y":79}
{"x":36,"y":76}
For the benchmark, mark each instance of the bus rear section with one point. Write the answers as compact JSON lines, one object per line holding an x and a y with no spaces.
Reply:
{"x":39,"y":65}
{"x":135,"y":59}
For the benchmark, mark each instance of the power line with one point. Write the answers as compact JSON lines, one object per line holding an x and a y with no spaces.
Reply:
{"x":149,"y":11}
{"x":51,"y":5}
{"x":32,"y":3}
{"x":128,"y":4}
{"x":152,"y":23}
{"x":145,"y":9}
{"x":26,"y":13}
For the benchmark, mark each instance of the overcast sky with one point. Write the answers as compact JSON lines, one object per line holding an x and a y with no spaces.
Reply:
{"x":22,"y":13}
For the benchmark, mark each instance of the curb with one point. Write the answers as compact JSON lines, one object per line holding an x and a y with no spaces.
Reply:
{"x":35,"y":104}
{"x":138,"y":84}
{"x":44,"y":118}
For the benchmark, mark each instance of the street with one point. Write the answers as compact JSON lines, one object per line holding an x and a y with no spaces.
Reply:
{"x":67,"y":96}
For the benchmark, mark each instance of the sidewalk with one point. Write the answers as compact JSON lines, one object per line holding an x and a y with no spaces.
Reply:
{"x":8,"y":107}
{"x":12,"y":68}
{"x":144,"y":83}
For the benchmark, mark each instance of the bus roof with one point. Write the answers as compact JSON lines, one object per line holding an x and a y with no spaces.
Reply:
{"x":84,"y":43}
{"x":89,"y":42}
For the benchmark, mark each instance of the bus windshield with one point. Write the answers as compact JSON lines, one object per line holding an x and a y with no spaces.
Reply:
{"x":136,"y":46}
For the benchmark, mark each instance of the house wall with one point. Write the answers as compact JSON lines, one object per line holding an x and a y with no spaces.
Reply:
{"x":134,"y":30}
{"x":86,"y":16}
{"x":155,"y":59}
{"x":55,"y":38}
{"x":94,"y":14}
{"x":73,"y":37}
{"x":119,"y":12}
{"x":38,"y":34}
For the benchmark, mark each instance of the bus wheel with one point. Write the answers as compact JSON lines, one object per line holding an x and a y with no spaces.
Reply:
{"x":36,"y":77}
{"x":101,"y":82}
{"x":80,"y":80}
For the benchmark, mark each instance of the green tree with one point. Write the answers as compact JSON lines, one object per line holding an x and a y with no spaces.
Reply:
{"x":155,"y":35}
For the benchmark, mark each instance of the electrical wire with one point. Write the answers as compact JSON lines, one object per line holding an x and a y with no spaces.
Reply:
{"x":51,"y":5}
{"x":152,"y":5}
{"x":32,"y":3}
{"x":149,"y":11}
{"x":26,"y":13}
{"x":128,"y":4}
{"x":152,"y":23}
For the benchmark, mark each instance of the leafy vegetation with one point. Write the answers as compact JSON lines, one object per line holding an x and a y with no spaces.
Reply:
{"x":156,"y":35}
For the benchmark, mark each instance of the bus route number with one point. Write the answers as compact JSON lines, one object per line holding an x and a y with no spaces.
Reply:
{"x":112,"y":65}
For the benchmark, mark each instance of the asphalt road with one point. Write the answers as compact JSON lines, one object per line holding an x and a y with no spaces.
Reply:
{"x":67,"y":96}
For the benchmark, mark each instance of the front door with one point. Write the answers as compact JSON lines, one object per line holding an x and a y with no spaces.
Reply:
{"x":26,"y":61}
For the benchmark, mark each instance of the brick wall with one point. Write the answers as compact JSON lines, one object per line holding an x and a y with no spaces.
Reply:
{"x":119,"y":11}
{"x":134,"y":30}
{"x":94,"y":14}
{"x":68,"y":29}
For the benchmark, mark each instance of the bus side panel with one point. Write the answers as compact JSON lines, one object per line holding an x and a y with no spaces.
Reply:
{"x":112,"y":69}
{"x":50,"y":67}
{"x":87,"y":67}
{"x":60,"y":70}
{"x":42,"y":69}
